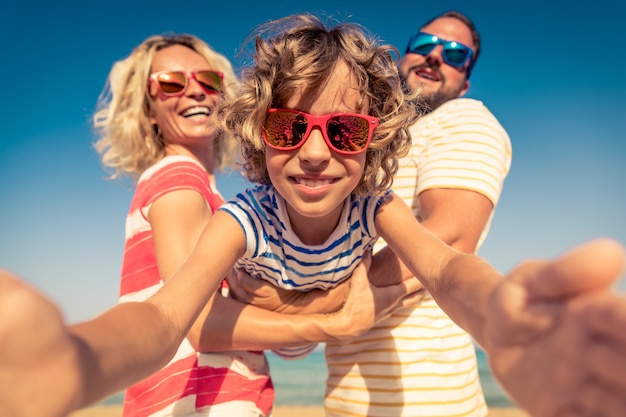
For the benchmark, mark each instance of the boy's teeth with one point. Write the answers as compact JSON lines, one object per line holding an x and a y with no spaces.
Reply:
{"x":313,"y":183}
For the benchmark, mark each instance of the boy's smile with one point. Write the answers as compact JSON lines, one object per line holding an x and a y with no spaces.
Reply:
{"x":313,"y":179}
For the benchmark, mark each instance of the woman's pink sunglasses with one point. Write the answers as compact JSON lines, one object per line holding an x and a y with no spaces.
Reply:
{"x":175,"y":83}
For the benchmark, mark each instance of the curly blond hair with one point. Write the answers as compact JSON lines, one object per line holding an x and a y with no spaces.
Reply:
{"x":126,"y":139}
{"x":299,"y":51}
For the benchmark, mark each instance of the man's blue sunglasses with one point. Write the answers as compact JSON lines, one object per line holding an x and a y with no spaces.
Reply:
{"x":454,"y":54}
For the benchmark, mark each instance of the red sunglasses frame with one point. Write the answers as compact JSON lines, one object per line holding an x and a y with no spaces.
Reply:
{"x":321,"y":122}
{"x":188,"y":75}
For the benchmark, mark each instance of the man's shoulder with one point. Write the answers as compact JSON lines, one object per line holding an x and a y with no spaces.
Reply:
{"x":463,"y":104}
{"x":464,"y":109}
{"x":457,"y":118}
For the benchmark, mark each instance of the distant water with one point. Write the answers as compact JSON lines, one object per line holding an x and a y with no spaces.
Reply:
{"x":303,"y":382}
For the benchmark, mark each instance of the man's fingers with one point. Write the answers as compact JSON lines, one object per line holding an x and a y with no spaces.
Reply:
{"x":408,"y":293}
{"x":412,"y":299}
{"x":412,"y":285}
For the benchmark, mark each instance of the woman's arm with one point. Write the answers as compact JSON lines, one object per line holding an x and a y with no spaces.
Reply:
{"x":225,"y":324}
{"x":177,"y":218}
{"x":132,"y":340}
{"x":249,"y":290}
{"x":230,"y":324}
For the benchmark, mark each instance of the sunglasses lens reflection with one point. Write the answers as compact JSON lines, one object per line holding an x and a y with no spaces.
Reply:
{"x":284,"y":129}
{"x":348,"y":133}
{"x":454,"y":53}
{"x":172,"y":82}
{"x":345,"y":133}
{"x":456,"y":56}
{"x":210,"y":81}
{"x":423,"y":44}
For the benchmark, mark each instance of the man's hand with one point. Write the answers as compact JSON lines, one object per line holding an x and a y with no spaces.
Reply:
{"x":356,"y":305}
{"x":367,"y":304}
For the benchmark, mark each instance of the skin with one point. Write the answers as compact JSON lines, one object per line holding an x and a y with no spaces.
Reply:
{"x":556,"y":308}
{"x":38,"y":356}
{"x":187,"y":126}
{"x":444,"y":211}
{"x":438,"y":80}
{"x":523,"y":321}
{"x":314,"y":180}
{"x":603,"y":318}
{"x":558,"y":316}
{"x":456,"y":216}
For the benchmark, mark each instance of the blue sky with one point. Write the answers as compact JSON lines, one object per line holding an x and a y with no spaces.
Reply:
{"x":553,"y":76}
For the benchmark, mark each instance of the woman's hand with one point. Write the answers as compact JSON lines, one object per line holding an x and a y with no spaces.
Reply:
{"x":351,"y":308}
{"x":249,"y":290}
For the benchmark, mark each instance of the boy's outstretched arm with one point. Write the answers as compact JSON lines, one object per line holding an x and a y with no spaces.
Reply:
{"x":603,"y":318}
{"x":38,"y":355}
{"x":536,"y":350}
{"x":544,"y":336}
{"x":49,"y":369}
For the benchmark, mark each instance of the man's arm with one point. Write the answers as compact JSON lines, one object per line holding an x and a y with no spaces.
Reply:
{"x":457,"y":174}
{"x":456,"y":216}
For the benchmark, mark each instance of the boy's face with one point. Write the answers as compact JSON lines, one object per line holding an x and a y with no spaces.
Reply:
{"x":313,"y":179}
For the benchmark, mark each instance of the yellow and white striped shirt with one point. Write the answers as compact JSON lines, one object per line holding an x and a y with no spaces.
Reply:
{"x":418,"y":362}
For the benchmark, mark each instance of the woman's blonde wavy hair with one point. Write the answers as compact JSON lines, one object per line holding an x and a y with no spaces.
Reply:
{"x":300,"y":50}
{"x":127,"y":140}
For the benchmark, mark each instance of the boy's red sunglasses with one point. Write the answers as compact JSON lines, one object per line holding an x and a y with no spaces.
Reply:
{"x":175,"y":83}
{"x":345,"y":133}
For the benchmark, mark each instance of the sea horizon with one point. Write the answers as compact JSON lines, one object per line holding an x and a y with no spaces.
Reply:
{"x":302,"y":382}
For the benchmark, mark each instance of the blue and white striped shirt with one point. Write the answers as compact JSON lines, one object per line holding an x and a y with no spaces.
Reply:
{"x":276,"y":254}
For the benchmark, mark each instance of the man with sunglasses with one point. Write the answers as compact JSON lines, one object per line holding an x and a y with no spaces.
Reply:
{"x":418,"y":362}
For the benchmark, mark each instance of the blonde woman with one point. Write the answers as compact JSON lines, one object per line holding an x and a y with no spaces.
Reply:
{"x":156,"y":123}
